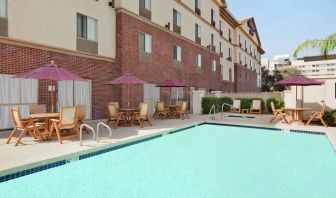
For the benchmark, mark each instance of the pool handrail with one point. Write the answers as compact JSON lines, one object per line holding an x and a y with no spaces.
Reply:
{"x":106,"y":126}
{"x":223,"y":108}
{"x":82,"y":126}
{"x":213,"y":108}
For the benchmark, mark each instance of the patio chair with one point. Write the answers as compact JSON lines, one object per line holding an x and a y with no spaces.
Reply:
{"x":318,"y":115}
{"x":114,"y":116}
{"x":160,"y":110}
{"x":37,"y":108}
{"x":278,"y":113}
{"x":181,"y":112}
{"x":116,"y":104}
{"x":179,"y":104}
{"x":81,"y":114}
{"x":67,"y":122}
{"x":142,"y":115}
{"x":24,"y":125}
{"x":236,"y":108}
{"x":256,"y":107}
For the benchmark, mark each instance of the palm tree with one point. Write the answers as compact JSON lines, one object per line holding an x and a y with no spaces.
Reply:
{"x":326,"y":45}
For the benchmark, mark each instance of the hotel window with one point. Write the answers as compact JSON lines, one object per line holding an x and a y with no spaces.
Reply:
{"x":87,"y":27}
{"x":177,"y":21}
{"x":145,"y":42}
{"x":221,"y":28}
{"x":230,"y":74}
{"x":229,"y":55}
{"x":240,"y":60}
{"x":213,"y":18}
{"x":3,"y":8}
{"x":245,"y":61}
{"x":220,"y":49}
{"x":230,"y":39}
{"x":214,"y":65}
{"x":198,"y":33}
{"x":213,"y":41}
{"x":145,"y":7}
{"x":245,"y":46}
{"x":177,"y":53}
{"x":199,"y":60}
{"x":239,"y":37}
{"x":198,"y":7}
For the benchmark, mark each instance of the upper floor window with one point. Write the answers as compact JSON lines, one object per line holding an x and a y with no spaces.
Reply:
{"x":145,"y":7}
{"x":198,"y":7}
{"x":87,"y":27}
{"x":145,"y":42}
{"x":221,"y":28}
{"x":213,"y":17}
{"x":3,"y":8}
{"x":199,"y":60}
{"x":230,"y":39}
{"x":214,"y":65}
{"x":177,"y":21}
{"x":213,"y":39}
{"x":177,"y":53}
{"x":198,"y":33}
{"x":239,"y":39}
{"x":245,"y":45}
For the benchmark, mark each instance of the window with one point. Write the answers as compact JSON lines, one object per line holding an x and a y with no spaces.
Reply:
{"x":199,"y":60}
{"x":213,"y":39}
{"x":177,"y":53}
{"x":87,"y":27}
{"x":220,"y":48}
{"x":230,"y":40}
{"x":229,"y":52}
{"x":240,"y":45}
{"x":3,"y":8}
{"x":213,"y":17}
{"x":147,"y":4}
{"x":198,"y":7}
{"x":230,"y":74}
{"x":145,"y":42}
{"x":214,"y":65}
{"x":245,"y":46}
{"x":177,"y":21}
{"x":198,"y":33}
{"x":240,"y":60}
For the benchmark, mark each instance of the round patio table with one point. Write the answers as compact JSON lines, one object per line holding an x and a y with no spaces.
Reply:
{"x":128,"y":112}
{"x":46,"y":117}
{"x":296,"y":114}
{"x":171,"y":111}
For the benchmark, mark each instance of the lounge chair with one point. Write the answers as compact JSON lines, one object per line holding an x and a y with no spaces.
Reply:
{"x":24,"y":125}
{"x":235,"y":108}
{"x":141,"y":116}
{"x":318,"y":115}
{"x":256,"y":107}
{"x":113,"y":115}
{"x":181,"y":112}
{"x":160,"y":110}
{"x":278,"y":113}
{"x":67,"y":121}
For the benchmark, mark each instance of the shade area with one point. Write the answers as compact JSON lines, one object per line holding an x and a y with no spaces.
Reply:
{"x":297,"y":80}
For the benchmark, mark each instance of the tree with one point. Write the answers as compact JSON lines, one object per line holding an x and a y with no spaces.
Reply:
{"x":326,"y":45}
{"x":267,"y":80}
{"x":289,"y":71}
{"x":277,"y":75}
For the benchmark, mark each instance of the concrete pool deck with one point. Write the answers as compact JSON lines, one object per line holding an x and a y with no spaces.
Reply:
{"x":33,"y":153}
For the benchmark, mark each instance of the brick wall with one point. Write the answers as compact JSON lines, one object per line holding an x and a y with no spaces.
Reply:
{"x":246,"y":79}
{"x":16,"y":59}
{"x":162,"y":66}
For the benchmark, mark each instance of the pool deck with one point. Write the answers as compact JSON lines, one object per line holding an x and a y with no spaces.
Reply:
{"x":33,"y":153}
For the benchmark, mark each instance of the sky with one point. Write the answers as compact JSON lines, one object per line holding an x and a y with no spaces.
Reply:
{"x":283,"y":24}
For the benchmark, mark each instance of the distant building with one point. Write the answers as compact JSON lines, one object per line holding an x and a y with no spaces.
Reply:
{"x":316,"y":66}
{"x":279,"y":61}
{"x":265,"y":63}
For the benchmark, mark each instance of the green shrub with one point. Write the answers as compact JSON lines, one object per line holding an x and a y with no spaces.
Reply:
{"x":226,"y":100}
{"x":330,"y":117}
{"x":278,"y":103}
{"x":207,"y":103}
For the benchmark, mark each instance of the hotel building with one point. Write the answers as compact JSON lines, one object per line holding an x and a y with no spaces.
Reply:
{"x":199,"y":43}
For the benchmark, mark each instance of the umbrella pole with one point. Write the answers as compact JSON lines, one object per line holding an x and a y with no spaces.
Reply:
{"x":170,"y":96}
{"x":53,"y":89}
{"x":128,"y":93}
{"x":296,"y":99}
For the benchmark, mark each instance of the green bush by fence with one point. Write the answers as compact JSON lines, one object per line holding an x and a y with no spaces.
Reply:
{"x":278,"y":103}
{"x":330,"y":117}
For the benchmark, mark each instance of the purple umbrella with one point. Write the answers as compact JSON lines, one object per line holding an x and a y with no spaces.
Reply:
{"x":50,"y":72}
{"x":298,"y":80}
{"x":171,"y":83}
{"x":126,"y":79}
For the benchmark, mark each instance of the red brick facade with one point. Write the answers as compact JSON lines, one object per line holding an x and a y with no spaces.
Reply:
{"x":245,"y":79}
{"x":162,"y":65}
{"x":16,"y":59}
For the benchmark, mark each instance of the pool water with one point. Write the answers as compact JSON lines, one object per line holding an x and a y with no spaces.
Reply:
{"x":205,"y":161}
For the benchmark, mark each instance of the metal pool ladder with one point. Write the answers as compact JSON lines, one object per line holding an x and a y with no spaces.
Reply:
{"x":95,"y":136}
{"x":213,"y":109}
{"x":224,"y":104}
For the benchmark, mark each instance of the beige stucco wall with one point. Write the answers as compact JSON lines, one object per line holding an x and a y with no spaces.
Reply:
{"x":53,"y":22}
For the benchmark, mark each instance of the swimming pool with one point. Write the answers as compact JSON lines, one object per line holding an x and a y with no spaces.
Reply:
{"x":204,"y":161}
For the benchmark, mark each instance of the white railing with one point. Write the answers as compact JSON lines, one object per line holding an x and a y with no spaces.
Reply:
{"x":224,"y":104}
{"x":106,"y":126}
{"x":213,"y":109}
{"x":81,"y":132}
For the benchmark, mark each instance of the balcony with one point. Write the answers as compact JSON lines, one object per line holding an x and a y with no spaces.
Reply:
{"x":213,"y":23}
{"x":212,"y":47}
{"x":229,"y":59}
{"x":230,"y":40}
{"x":221,"y":32}
{"x":198,"y":11}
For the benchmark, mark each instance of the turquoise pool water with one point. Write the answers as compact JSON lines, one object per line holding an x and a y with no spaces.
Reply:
{"x":205,"y":161}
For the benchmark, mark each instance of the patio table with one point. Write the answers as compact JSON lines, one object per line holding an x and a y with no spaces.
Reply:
{"x":128,"y":114}
{"x":296,"y":114}
{"x":46,"y":117}
{"x":171,"y":110}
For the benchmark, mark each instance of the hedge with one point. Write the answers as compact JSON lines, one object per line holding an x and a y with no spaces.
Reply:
{"x":330,"y":117}
{"x":207,"y":103}
{"x":278,"y":103}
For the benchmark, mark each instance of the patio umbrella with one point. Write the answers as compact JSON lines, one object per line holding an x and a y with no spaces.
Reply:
{"x":126,"y":79}
{"x":171,"y":83}
{"x":50,"y":72}
{"x":298,"y":80}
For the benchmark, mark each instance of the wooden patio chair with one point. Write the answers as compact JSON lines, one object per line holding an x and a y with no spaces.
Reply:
{"x":278,"y":113}
{"x":256,"y":107}
{"x":113,"y":115}
{"x":236,"y":107}
{"x":67,"y":122}
{"x":141,"y":116}
{"x":181,"y":112}
{"x":116,"y":105}
{"x":37,"y":108}
{"x":160,"y":110}
{"x":318,"y":115}
{"x":24,"y":125}
{"x":179,"y":104}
